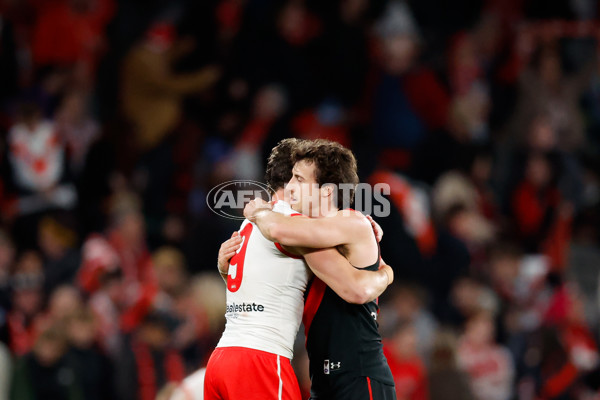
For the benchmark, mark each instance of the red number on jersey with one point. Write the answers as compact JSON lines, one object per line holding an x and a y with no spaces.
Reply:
{"x":236,"y":264}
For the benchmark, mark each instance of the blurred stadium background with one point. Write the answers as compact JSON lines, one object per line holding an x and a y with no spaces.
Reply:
{"x":117,"y":117}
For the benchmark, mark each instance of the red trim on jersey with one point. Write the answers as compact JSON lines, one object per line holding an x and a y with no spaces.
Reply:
{"x":370,"y":391}
{"x":287,"y":253}
{"x":312,"y":303}
{"x":233,"y":284}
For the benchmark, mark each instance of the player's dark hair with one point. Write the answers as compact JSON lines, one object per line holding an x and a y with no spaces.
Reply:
{"x":280,"y":164}
{"x":334,"y":164}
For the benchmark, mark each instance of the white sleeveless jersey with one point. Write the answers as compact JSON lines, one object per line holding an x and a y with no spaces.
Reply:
{"x":265,"y":293}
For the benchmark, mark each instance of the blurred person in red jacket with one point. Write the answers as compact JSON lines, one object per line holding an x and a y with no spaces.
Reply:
{"x":405,"y":363}
{"x":489,"y":365}
{"x":70,"y":33}
{"x":541,"y":215}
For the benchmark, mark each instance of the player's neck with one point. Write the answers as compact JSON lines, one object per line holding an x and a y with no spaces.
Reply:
{"x":279,"y":195}
{"x":327,"y":209}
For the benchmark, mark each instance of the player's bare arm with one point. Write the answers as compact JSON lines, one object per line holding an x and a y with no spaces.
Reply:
{"x":351,"y":284}
{"x":226,"y":251}
{"x":339,"y":229}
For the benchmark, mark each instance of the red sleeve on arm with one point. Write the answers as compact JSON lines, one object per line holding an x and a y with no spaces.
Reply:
{"x":560,"y":381}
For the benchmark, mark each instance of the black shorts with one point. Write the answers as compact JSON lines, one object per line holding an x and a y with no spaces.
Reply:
{"x":360,"y":388}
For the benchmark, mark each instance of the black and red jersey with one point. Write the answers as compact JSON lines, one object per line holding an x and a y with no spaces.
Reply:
{"x":342,"y":340}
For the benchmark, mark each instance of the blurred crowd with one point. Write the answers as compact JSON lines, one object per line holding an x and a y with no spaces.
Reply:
{"x":118,"y":116}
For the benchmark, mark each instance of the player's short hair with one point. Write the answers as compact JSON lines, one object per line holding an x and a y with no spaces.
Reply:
{"x":280,"y":164}
{"x":333,"y":164}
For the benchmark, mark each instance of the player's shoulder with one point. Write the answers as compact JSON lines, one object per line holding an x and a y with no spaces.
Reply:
{"x":285,"y":208}
{"x":353,"y":221}
{"x":352,"y":216}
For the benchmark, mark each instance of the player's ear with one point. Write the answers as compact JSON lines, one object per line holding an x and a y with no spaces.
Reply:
{"x":327,"y":190}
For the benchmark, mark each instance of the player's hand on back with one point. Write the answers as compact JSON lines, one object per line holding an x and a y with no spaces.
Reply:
{"x":388,"y":270}
{"x":376,"y":228}
{"x":228,"y":250}
{"x":255,"y":206}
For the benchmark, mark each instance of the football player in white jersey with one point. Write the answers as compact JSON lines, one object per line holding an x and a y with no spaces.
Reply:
{"x":265,"y":300}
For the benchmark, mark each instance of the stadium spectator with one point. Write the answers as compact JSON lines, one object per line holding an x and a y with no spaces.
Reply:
{"x":402,"y":117}
{"x":43,"y":373}
{"x":107,"y":303}
{"x":407,"y":304}
{"x":488,"y":365}
{"x":152,"y":93}
{"x":544,"y":89}
{"x":57,"y":242}
{"x":27,"y":303}
{"x":536,"y":201}
{"x":37,"y":158}
{"x":406,"y":364}
{"x":446,"y":380}
{"x":62,"y":302}
{"x":93,"y":370}
{"x":76,"y":128}
{"x":150,"y":362}
{"x":174,"y":298}
{"x":482,"y":117}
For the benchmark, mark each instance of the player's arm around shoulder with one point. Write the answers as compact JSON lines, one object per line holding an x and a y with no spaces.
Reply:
{"x":351,"y":284}
{"x":330,"y":231}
